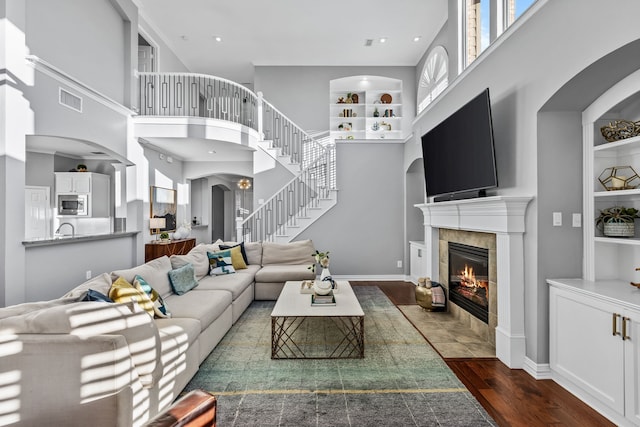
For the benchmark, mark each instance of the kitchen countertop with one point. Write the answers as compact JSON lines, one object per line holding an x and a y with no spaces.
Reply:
{"x":78,"y":238}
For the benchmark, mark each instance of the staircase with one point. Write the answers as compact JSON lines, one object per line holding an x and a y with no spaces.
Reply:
{"x":305,"y":198}
{"x":311,"y":160}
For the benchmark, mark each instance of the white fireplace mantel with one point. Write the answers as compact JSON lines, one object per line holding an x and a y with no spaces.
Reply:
{"x":504,"y":216}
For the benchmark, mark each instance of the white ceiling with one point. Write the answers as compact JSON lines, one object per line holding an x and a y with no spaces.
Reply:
{"x":292,"y":32}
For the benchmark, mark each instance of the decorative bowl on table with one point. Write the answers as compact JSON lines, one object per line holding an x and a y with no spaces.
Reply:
{"x":322,"y":287}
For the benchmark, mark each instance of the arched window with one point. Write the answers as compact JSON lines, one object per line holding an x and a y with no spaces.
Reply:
{"x":434,"y":78}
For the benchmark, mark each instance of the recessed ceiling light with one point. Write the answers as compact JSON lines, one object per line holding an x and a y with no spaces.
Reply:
{"x":217,"y":38}
{"x":383,"y":39}
{"x":211,"y":152}
{"x":417,"y":38}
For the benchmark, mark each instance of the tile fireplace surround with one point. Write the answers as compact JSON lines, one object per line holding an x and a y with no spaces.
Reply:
{"x":503,"y":216}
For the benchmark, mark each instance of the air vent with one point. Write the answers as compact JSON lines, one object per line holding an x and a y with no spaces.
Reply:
{"x":368,"y":42}
{"x":70,"y":100}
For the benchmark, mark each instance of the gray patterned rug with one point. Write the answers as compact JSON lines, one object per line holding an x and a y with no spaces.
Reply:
{"x":401,"y":381}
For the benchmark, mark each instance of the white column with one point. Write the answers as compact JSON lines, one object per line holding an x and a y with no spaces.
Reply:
{"x":510,"y":336}
{"x":16,"y":121}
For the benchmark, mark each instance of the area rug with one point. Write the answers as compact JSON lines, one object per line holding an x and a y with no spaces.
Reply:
{"x":401,"y":381}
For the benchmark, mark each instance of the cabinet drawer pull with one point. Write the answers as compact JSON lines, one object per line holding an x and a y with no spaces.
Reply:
{"x":624,"y":329}
{"x":614,"y":324}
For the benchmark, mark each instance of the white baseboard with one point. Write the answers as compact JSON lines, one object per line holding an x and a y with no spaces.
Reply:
{"x":539,"y":371}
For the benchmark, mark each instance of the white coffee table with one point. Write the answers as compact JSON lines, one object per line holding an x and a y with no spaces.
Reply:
{"x":293,"y":336}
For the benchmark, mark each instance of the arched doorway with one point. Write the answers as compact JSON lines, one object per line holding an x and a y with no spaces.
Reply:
{"x":218,"y":212}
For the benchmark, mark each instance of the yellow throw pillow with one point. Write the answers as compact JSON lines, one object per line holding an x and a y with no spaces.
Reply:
{"x":123,"y":291}
{"x":236,"y":258}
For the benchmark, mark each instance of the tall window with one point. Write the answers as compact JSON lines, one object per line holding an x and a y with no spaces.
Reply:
{"x":515,"y":8}
{"x":434,"y":78}
{"x":478,"y":27}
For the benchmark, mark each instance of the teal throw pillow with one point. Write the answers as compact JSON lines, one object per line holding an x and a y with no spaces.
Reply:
{"x":159,"y":307}
{"x":220,"y":263}
{"x":183,"y":279}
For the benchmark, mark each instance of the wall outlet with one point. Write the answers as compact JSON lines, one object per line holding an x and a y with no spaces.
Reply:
{"x":399,"y":264}
{"x":557,"y":219}
{"x":87,"y":274}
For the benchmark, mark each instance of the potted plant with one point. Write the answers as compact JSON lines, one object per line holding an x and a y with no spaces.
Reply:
{"x":164,"y":236}
{"x":617,"y":221}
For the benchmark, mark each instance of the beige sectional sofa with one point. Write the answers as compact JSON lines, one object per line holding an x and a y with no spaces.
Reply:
{"x":68,"y":360}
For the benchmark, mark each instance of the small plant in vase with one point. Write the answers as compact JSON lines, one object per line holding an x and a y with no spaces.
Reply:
{"x":321,"y":258}
{"x":164,"y":236}
{"x":617,"y":221}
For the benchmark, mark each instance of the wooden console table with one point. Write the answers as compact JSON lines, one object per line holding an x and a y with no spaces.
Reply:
{"x":174,"y":247}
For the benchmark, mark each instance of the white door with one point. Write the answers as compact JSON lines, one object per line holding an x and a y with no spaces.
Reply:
{"x":37,"y":209}
{"x":145,"y":59}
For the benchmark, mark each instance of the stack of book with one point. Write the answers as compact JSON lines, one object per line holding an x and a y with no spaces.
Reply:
{"x":323,"y":300}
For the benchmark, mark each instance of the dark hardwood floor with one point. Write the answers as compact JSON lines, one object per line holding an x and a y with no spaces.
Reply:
{"x":511,"y":396}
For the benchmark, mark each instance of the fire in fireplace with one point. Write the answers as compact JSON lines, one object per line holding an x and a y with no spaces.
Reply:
{"x":469,"y":279}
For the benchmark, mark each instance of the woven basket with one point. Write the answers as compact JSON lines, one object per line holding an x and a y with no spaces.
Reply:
{"x":619,"y":229}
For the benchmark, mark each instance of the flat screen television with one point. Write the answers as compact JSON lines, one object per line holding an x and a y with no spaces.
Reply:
{"x":459,"y":155}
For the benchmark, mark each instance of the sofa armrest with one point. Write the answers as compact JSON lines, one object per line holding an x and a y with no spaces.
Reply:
{"x":90,"y":319}
{"x":59,"y":379}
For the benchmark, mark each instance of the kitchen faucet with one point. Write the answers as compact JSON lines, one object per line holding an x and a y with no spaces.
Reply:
{"x":73,"y":229}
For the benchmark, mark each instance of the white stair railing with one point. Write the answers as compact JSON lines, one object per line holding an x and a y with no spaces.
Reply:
{"x":199,"y":95}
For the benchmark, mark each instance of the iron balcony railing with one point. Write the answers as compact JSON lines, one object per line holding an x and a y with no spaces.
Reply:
{"x":198,"y":95}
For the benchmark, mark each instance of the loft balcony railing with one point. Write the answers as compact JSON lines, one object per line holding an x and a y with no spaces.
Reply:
{"x":198,"y":95}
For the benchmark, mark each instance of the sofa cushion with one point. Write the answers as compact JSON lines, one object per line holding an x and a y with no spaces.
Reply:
{"x":181,"y":330}
{"x":183,"y":279}
{"x":196,"y":257}
{"x":19,"y":309}
{"x":123,"y":291}
{"x":154,"y":272}
{"x":254,"y":252}
{"x":283,"y":273}
{"x":294,"y":253}
{"x":101,"y":283}
{"x":234,"y":283}
{"x":220,"y":263}
{"x":204,"y":306}
{"x":237,"y":257}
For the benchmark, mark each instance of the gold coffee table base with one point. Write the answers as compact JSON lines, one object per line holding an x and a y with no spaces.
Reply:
{"x":331,"y":337}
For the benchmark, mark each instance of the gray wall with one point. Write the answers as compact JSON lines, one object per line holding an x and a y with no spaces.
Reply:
{"x":364,"y":231}
{"x":60,"y":33}
{"x":302,"y":93}
{"x":54,"y":270}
